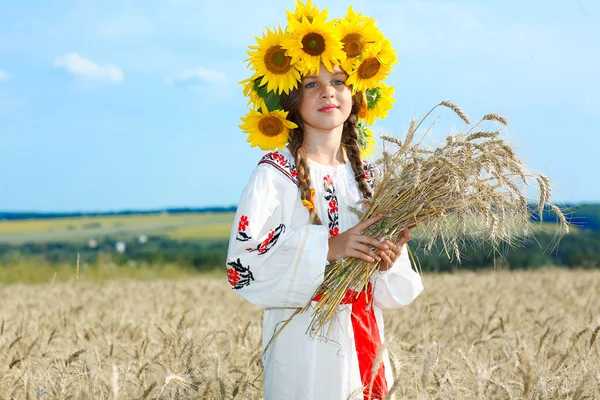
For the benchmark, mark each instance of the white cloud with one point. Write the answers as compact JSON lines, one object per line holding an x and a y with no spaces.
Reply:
{"x":82,"y":67}
{"x":197,"y":76}
{"x":4,"y":75}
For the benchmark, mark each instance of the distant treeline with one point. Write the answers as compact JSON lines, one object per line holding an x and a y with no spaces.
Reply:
{"x":577,"y":250}
{"x":584,"y":216}
{"x":45,"y":215}
{"x":200,"y":254}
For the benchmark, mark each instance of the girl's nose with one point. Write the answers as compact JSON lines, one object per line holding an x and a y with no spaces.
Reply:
{"x":327,"y":92}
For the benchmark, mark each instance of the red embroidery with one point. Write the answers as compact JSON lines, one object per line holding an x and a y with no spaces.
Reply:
{"x":269,"y":241}
{"x":238,"y":275}
{"x":280,"y":163}
{"x":243,"y":224}
{"x":333,"y":207}
{"x":370,"y":174}
{"x":332,"y":212}
{"x":233,"y":276}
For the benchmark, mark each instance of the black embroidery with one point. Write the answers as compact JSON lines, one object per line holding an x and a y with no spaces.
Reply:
{"x":370,"y":174}
{"x":282,"y":164}
{"x":238,"y":275}
{"x":332,"y":206}
{"x":242,"y":237}
{"x":270,"y":241}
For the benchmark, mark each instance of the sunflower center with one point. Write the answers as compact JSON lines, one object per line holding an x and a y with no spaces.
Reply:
{"x":270,"y":126}
{"x":368,"y":68}
{"x":313,"y":44}
{"x":276,"y":61}
{"x":353,"y":44}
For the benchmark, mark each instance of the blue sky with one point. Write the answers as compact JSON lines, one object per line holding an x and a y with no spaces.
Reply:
{"x":136,"y":104}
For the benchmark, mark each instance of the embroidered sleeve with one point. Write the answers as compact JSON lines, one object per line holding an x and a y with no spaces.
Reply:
{"x":270,"y":262}
{"x":398,"y":286}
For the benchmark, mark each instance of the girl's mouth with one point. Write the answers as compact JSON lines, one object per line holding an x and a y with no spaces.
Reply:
{"x":328,"y":108}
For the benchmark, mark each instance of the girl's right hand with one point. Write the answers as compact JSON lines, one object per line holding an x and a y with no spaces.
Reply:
{"x":353,"y":244}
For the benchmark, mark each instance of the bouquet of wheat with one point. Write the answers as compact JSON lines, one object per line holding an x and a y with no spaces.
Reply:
{"x":472,"y":186}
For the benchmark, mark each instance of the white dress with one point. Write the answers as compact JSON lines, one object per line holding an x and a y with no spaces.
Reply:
{"x":276,"y":260}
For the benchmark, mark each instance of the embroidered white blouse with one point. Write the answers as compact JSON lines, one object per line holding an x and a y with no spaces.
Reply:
{"x":276,"y":260}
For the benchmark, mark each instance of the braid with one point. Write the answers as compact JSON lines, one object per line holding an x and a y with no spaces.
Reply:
{"x":291,"y":102}
{"x":350,"y":139}
{"x":303,"y":169}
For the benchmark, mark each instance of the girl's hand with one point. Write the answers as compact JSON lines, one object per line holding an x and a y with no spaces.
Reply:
{"x":353,"y":244}
{"x":390,"y":256}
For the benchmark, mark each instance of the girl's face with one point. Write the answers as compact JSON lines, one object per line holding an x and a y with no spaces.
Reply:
{"x":326,"y":100}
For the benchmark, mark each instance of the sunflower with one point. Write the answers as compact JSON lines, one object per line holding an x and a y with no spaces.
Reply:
{"x":375,"y":65}
{"x":254,"y":98}
{"x":267,"y":130}
{"x":309,"y":11}
{"x":379,"y":102}
{"x":366,"y":141}
{"x":357,"y":33}
{"x":313,"y":43}
{"x":269,"y":61}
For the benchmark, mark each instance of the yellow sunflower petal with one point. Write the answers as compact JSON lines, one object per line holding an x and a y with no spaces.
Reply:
{"x":304,"y":10}
{"x":366,"y":141}
{"x":254,"y":99}
{"x":268,"y":59}
{"x":370,"y":146}
{"x":375,"y":65}
{"x":379,"y":102}
{"x":267,"y":130}
{"x":352,"y":16}
{"x":313,"y":43}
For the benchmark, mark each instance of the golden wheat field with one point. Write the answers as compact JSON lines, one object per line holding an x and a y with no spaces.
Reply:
{"x":500,"y":335}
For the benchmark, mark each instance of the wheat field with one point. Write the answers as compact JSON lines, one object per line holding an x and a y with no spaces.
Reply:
{"x":497,"y":335}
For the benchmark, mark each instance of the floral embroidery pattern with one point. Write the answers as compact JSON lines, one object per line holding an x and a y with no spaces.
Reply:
{"x":238,"y":275}
{"x":242,"y":236}
{"x":332,"y":206}
{"x":243,"y":224}
{"x":269,"y":242}
{"x":283,"y":165}
{"x":370,"y":173}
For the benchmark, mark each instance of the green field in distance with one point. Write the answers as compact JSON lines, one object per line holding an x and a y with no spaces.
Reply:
{"x":176,"y":226}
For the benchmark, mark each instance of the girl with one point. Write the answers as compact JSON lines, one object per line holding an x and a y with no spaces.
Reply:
{"x":294,"y":218}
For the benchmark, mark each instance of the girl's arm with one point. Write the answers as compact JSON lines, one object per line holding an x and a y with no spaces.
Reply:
{"x":270,"y":262}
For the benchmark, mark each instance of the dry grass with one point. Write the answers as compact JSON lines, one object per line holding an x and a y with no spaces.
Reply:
{"x":502,"y":335}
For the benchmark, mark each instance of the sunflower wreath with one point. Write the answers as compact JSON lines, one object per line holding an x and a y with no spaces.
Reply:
{"x":282,"y":57}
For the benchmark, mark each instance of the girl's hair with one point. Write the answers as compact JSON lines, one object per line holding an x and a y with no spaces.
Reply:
{"x":291,"y":104}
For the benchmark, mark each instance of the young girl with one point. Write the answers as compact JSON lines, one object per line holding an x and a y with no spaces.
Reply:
{"x":294,"y":218}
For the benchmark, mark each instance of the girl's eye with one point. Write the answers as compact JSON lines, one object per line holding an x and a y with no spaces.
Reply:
{"x":339,"y":82}
{"x":310,"y":85}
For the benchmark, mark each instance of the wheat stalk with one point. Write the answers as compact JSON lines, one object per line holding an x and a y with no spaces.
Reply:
{"x":471,"y":186}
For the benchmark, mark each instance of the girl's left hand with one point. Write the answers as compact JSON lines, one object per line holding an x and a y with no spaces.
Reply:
{"x":388,"y":257}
